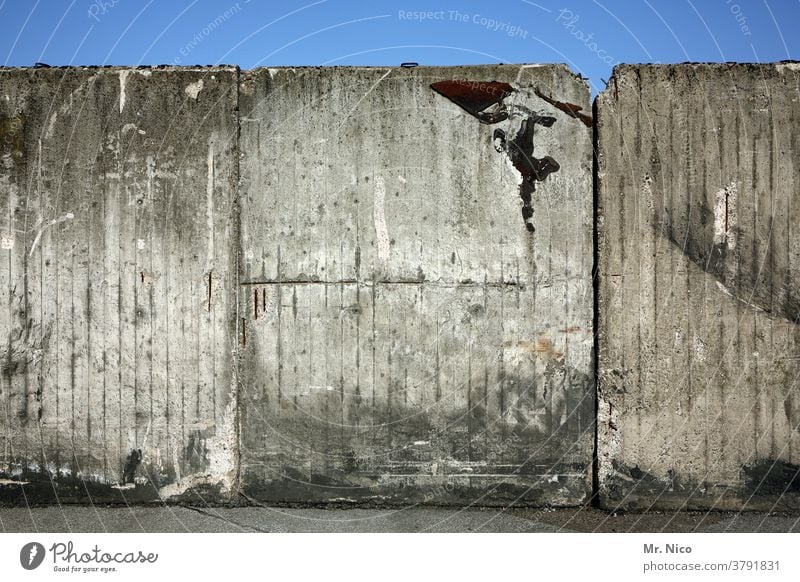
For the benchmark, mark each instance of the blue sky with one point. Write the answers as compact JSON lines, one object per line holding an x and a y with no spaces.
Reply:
{"x":589,"y":35}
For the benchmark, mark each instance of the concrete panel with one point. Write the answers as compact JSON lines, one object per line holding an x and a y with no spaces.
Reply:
{"x":699,"y":242}
{"x":117,"y":193}
{"x":410,"y":330}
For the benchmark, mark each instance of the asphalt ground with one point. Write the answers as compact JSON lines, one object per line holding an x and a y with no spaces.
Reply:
{"x":177,"y":519}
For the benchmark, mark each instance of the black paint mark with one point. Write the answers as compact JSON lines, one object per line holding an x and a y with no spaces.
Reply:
{"x":520,"y":152}
{"x":569,"y":108}
{"x":476,"y":96}
{"x":134,"y":459}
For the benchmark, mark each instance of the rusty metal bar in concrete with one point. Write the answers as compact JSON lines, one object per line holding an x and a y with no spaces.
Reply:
{"x":699,"y":300}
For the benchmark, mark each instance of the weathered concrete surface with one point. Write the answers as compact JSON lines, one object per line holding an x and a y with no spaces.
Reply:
{"x":117,"y":193}
{"x":404,"y":335}
{"x":699,"y":293}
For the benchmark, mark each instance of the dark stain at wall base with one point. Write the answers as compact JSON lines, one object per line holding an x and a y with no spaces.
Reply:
{"x":520,"y":152}
{"x":130,"y":467}
{"x":477,"y":96}
{"x":526,"y":488}
{"x":766,"y":485}
{"x":771,"y":477}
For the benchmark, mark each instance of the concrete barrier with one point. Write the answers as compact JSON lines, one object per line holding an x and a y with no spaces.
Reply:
{"x":117,"y":216}
{"x":415,"y":287}
{"x":699,"y":300}
{"x":374,"y":286}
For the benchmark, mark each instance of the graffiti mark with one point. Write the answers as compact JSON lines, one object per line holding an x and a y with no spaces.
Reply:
{"x":569,"y":108}
{"x":477,"y":96}
{"x":520,"y":152}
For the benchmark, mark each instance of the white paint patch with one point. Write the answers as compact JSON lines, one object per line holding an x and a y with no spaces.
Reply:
{"x":12,"y":482}
{"x":222,"y":446}
{"x":379,"y":218}
{"x":647,"y":190}
{"x":132,"y":127}
{"x":401,"y":179}
{"x":151,"y":174}
{"x":782,"y":67}
{"x":725,"y":216}
{"x":125,"y":486}
{"x":123,"y":80}
{"x":221,"y":453}
{"x":175,"y":461}
{"x":67,"y":216}
{"x":699,"y":348}
{"x":6,"y":241}
{"x":51,"y":125}
{"x":210,"y":205}
{"x":317,"y":388}
{"x":522,"y":70}
{"x":678,"y":339}
{"x":140,"y":243}
{"x":193,"y":89}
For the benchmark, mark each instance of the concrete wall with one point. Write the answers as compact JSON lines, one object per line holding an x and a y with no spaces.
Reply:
{"x":408,"y":338}
{"x":412,"y":306}
{"x":699,"y":295}
{"x":117,"y":192}
{"x":375,"y":285}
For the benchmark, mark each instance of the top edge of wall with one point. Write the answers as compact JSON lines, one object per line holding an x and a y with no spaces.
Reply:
{"x":115,"y":68}
{"x":517,"y":68}
{"x":710,"y":64}
{"x":621,"y":70}
{"x":200,"y":67}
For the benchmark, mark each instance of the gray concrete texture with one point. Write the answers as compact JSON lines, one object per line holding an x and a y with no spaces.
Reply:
{"x":407,"y":337}
{"x":405,"y":315}
{"x":117,"y":208}
{"x":699,"y":296}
